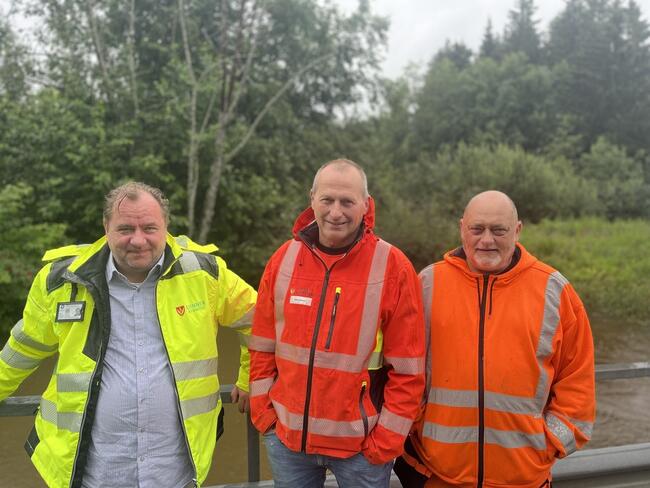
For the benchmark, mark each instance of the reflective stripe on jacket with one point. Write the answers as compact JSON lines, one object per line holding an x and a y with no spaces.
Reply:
{"x":67,"y":311}
{"x":314,"y":334}
{"x":510,"y":374}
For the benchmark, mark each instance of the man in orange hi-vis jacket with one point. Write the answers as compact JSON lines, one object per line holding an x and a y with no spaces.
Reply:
{"x":509,"y":363}
{"x":337,"y":350}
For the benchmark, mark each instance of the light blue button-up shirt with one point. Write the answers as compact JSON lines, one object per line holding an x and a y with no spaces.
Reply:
{"x":137,"y":439}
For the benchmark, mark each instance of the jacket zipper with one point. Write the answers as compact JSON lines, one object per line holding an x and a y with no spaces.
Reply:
{"x":481,"y":382}
{"x":312,"y":354}
{"x":314,"y":341}
{"x":98,"y":365}
{"x":337,"y":295}
{"x":178,"y":401}
{"x":364,"y":415}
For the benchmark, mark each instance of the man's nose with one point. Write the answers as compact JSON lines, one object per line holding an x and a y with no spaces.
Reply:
{"x":487,"y":236}
{"x":138,"y":238}
{"x":335,"y":210}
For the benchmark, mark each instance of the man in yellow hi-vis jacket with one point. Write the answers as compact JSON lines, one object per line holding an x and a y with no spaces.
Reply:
{"x":134,"y":396}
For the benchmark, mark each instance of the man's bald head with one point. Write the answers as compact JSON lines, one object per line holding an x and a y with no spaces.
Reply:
{"x":492,"y":198}
{"x":489,"y":231}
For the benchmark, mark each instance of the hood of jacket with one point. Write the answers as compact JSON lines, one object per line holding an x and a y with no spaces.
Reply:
{"x":457,"y":259}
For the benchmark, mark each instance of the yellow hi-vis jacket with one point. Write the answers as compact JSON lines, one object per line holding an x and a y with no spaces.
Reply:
{"x":67,"y":311}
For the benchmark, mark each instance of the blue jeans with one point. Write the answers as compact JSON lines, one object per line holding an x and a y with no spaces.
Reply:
{"x":298,"y":470}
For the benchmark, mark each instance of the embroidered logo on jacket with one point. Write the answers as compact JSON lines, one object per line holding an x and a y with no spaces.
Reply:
{"x":192,"y":307}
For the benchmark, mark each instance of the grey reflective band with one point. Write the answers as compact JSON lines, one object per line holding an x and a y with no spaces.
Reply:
{"x":63,"y":420}
{"x":406,"y":365}
{"x":201,"y":368}
{"x":245,"y":321}
{"x":511,"y":403}
{"x":550,"y":322}
{"x":243,"y":339}
{"x":512,"y":439}
{"x":189,"y":262}
{"x":426,"y":280}
{"x":73,"y":382}
{"x":449,"y":435}
{"x":321,"y":426}
{"x":395,"y":423}
{"x":19,"y":336}
{"x":322,"y":359}
{"x":261,"y":387}
{"x":282,"y":284}
{"x":505,"y":438}
{"x":261,"y":344}
{"x":562,"y":431}
{"x":372,"y":299}
{"x":587,"y":428}
{"x":16,"y":359}
{"x":369,"y":318}
{"x":197,"y":406}
{"x":453,"y":398}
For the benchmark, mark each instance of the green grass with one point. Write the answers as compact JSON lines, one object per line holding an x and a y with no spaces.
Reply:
{"x":607,"y":262}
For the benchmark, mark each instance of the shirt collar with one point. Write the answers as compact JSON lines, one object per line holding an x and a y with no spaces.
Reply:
{"x":112,"y":271}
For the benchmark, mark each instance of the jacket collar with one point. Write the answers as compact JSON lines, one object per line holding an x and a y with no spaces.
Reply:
{"x":92,"y":259}
{"x":522,"y":260}
{"x":306,"y":229}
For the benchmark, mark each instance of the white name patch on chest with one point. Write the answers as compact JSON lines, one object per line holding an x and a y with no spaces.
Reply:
{"x":296,"y":300}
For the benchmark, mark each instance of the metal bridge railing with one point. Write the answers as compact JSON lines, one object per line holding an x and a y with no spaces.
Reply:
{"x":28,"y":405}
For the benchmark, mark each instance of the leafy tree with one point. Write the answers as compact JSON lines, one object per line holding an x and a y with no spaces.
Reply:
{"x":22,"y":241}
{"x":458,"y":53}
{"x":15,"y":66}
{"x":491,"y":46}
{"x":605,"y":84}
{"x":619,"y":179}
{"x":521,"y":31}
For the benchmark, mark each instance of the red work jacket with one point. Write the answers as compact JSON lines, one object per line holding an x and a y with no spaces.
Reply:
{"x":316,"y":333}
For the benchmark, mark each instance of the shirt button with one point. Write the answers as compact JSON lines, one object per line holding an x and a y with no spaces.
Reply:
{"x":140,"y":343}
{"x":142,"y":429}
{"x":141,"y":370}
{"x":141,"y":458}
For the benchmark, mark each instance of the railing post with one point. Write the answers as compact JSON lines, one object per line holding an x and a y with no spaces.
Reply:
{"x":253,"y":440}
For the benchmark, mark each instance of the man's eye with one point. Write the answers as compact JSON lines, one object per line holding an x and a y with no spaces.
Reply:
{"x":499,"y":232}
{"x":476,"y":230}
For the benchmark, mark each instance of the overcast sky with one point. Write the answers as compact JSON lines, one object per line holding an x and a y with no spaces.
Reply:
{"x":418,"y":28}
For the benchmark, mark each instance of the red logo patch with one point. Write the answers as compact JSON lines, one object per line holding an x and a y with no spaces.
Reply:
{"x":180,"y":310}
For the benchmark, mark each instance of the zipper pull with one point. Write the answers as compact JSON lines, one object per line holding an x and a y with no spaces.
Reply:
{"x":337,"y":294}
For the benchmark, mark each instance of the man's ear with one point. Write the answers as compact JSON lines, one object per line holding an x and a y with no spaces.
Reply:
{"x":518,"y":228}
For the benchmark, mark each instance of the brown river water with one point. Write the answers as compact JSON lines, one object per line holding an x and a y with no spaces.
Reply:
{"x":623,"y":413}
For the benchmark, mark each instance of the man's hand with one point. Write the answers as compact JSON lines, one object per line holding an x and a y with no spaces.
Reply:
{"x":240,"y":397}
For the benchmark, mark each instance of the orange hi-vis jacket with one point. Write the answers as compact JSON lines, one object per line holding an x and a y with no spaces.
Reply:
{"x":316,"y":333}
{"x":510,"y":374}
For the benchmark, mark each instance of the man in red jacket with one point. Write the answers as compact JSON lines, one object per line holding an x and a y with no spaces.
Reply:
{"x":337,"y":354}
{"x":509,"y":363}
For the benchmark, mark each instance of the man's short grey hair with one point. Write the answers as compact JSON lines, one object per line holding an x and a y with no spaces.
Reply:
{"x":132,"y":190}
{"x":343,"y":163}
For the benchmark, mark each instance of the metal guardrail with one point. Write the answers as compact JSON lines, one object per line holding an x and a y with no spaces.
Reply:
{"x":636,"y":454}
